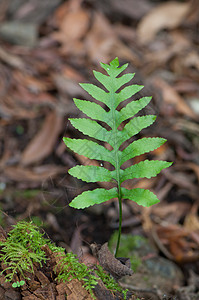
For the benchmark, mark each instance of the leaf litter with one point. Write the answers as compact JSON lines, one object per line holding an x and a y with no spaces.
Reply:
{"x":37,"y":84}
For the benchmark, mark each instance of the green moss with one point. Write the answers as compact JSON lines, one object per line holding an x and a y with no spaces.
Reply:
{"x":23,"y":247}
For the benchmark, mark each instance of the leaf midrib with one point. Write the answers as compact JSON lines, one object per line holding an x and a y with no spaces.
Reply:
{"x":115,"y":131}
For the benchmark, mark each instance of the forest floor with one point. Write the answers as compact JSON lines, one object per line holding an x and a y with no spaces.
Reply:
{"x":46,"y":49}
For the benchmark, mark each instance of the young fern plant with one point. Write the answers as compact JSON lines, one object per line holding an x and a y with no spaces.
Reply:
{"x":115,"y":137}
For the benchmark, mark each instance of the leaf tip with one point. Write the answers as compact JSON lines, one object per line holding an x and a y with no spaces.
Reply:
{"x":64,"y":140}
{"x":170,"y":163}
{"x":115,"y":62}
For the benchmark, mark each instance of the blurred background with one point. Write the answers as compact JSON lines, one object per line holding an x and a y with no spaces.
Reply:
{"x":46,"y":48}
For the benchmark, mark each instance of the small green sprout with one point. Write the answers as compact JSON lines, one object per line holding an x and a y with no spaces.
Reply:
{"x":18,"y":284}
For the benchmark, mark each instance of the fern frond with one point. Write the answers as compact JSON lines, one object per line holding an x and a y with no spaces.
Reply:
{"x":115,"y":137}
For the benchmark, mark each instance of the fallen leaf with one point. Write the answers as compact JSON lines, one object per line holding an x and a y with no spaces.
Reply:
{"x":73,"y":22}
{"x":163,"y":52}
{"x":75,"y":25}
{"x":43,"y":143}
{"x":102,"y":43}
{"x":26,"y":98}
{"x":172,"y":97}
{"x":186,"y":63}
{"x":36,"y":174}
{"x":11,"y":106}
{"x":176,"y":242}
{"x":141,"y":184}
{"x":170,"y":212}
{"x":117,"y":267}
{"x":191,"y":222}
{"x":166,"y":15}
{"x":182,"y":180}
{"x":12,"y":60}
{"x":36,"y":85}
{"x":192,"y":60}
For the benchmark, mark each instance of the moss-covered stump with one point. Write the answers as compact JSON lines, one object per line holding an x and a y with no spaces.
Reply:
{"x":57,"y":276}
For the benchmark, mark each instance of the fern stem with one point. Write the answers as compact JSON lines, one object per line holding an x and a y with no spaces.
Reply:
{"x":117,"y":164}
{"x":120,"y":220}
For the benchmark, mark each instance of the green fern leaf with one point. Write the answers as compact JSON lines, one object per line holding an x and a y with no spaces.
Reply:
{"x":91,"y":173}
{"x":146,"y":168}
{"x":96,"y":196}
{"x":135,"y":126}
{"x":91,"y":109}
{"x":139,"y":147}
{"x":115,"y":137}
{"x":89,"y":149}
{"x":96,"y":92}
{"x":132,"y":108}
{"x":90,"y":128}
{"x":140,"y":196}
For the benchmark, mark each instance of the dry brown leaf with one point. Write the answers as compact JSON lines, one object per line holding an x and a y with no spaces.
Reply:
{"x":191,"y":222}
{"x":178,"y":43}
{"x":186,"y":85}
{"x":167,"y":15}
{"x":172,"y":97}
{"x":88,"y":260}
{"x":36,"y":174}
{"x":102,"y":43}
{"x":186,"y":63}
{"x":31,"y":98}
{"x":67,"y":82}
{"x":36,"y":85}
{"x":12,"y":60}
{"x":64,"y":9}
{"x":73,"y":22}
{"x":141,"y":184}
{"x":11,"y":106}
{"x":182,"y":180}
{"x":164,"y":191}
{"x":192,"y":60}
{"x":170,"y":212}
{"x":86,"y":161}
{"x":117,"y":267}
{"x":74,"y":25}
{"x":178,"y":243}
{"x":42,"y":144}
{"x":147,"y":222}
